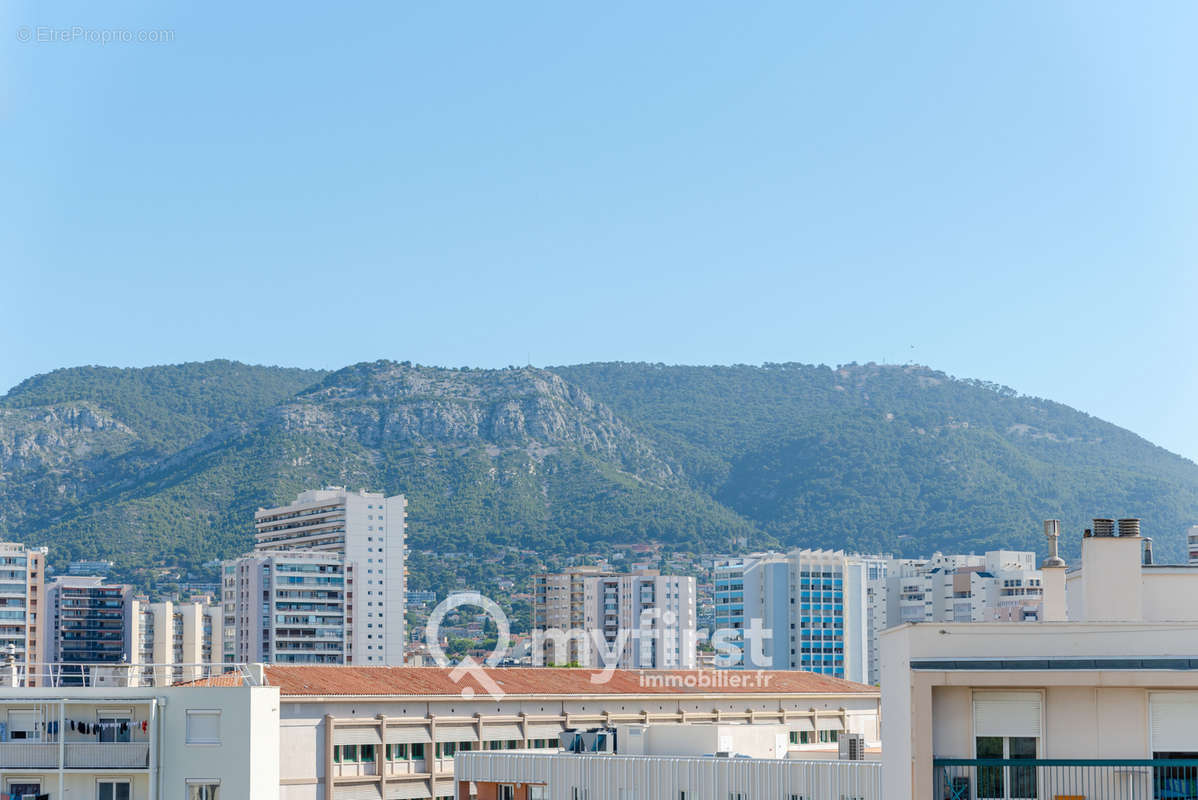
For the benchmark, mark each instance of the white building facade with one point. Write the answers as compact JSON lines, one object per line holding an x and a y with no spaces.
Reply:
{"x":325,"y":583}
{"x":813,"y":607}
{"x":180,"y":639}
{"x":140,"y":743}
{"x":25,"y":625}
{"x":372,"y":734}
{"x":645,"y":619}
{"x":1101,"y":694}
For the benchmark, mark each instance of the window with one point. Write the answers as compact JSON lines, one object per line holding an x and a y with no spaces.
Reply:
{"x":538,"y":793}
{"x":203,"y":727}
{"x":113,"y":790}
{"x":23,"y":725}
{"x":24,"y":788}
{"x":114,"y":724}
{"x":203,"y":790}
{"x":507,"y":792}
{"x":1007,"y":725}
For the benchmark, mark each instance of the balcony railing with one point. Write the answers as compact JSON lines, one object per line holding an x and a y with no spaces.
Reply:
{"x":1046,"y":779}
{"x":79,"y":755}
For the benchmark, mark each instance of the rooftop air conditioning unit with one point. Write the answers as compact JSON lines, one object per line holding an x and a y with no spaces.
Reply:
{"x":852,"y":747}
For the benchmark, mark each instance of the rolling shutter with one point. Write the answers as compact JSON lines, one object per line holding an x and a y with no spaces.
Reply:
{"x":456,"y":732}
{"x":410,"y":734}
{"x":829,"y":723}
{"x":407,"y":790}
{"x":801,"y":724}
{"x":545,"y":730}
{"x":356,"y":735}
{"x":1006,"y":713}
{"x":501,"y":731}
{"x":1174,"y":720}
{"x":363,"y":791}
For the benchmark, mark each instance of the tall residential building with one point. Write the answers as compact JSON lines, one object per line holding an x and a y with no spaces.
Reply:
{"x":646,"y":619}
{"x":324,"y":585}
{"x":1000,"y":586}
{"x":92,"y":624}
{"x":558,"y":604}
{"x":812,"y":606}
{"x":832,"y":614}
{"x":755,"y":587}
{"x":23,"y":621}
{"x":290,"y":608}
{"x":179,"y":639}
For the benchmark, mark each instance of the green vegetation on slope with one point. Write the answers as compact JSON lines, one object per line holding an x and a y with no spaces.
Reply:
{"x":165,"y":466}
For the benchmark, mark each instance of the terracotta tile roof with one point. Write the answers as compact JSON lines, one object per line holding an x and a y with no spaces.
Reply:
{"x":224,"y":679}
{"x":541,"y":681}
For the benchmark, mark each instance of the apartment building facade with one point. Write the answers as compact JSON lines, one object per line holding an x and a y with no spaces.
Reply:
{"x":324,"y":584}
{"x":179,"y":639}
{"x":25,"y":625}
{"x":370,"y":734}
{"x":1099,"y":697}
{"x":93,"y":624}
{"x":812,"y":605}
{"x":142,"y":742}
{"x":999,"y":586}
{"x":559,"y":604}
{"x":646,"y":620}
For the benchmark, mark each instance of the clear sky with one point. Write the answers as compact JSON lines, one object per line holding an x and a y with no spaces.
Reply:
{"x":1002,"y":190}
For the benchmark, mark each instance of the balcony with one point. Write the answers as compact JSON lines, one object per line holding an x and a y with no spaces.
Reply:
{"x":1025,"y":779}
{"x":79,"y":755}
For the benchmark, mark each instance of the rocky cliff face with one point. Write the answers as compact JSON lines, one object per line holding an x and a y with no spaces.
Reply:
{"x":529,"y":410}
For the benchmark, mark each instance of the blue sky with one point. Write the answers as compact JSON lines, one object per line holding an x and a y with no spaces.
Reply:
{"x":1004,"y":191}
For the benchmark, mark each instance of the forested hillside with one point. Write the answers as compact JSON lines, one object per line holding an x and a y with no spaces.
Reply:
{"x":165,"y":465}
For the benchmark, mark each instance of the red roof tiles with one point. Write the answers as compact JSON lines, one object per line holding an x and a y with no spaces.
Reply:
{"x":542,"y":681}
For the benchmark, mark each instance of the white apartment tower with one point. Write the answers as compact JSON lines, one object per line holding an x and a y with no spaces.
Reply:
{"x":645,"y":617}
{"x":178,"y":639}
{"x":1000,"y":586}
{"x":811,"y":605}
{"x":324,"y":585}
{"x":24,"y":623}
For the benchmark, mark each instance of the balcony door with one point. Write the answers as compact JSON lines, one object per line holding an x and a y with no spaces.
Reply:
{"x":1007,"y":727}
{"x":115,"y":725}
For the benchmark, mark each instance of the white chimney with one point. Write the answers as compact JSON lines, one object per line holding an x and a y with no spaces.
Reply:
{"x":1052,"y":574}
{"x":1112,"y":587}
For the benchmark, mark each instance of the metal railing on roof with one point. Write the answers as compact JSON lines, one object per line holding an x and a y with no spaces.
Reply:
{"x":112,"y":675}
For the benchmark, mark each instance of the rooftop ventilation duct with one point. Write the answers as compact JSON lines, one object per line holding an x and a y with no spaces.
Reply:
{"x":1104,"y":527}
{"x":1052,"y":532}
{"x":1129,"y":527}
{"x":1147,"y":552}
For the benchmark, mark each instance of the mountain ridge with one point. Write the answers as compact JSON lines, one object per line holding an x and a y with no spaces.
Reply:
{"x":164,"y":465}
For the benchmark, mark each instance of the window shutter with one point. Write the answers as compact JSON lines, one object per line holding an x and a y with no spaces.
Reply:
{"x":203,"y":727}
{"x":1174,"y":720}
{"x":1006,"y":714}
